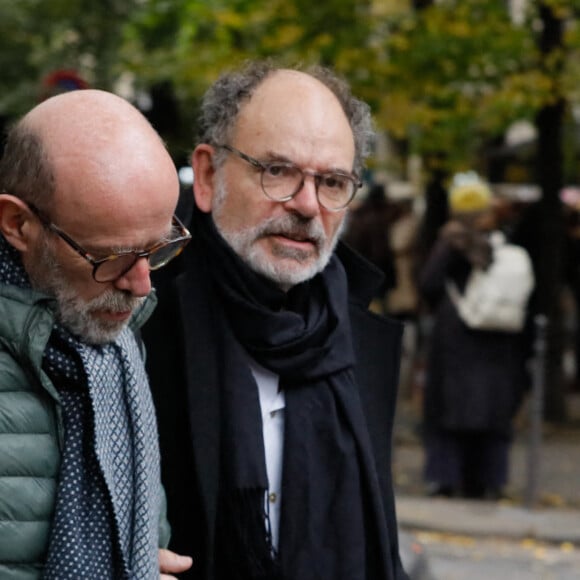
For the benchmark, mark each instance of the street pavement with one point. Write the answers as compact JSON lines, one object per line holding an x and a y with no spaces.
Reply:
{"x":444,"y":539}
{"x":487,"y":519}
{"x":459,"y":557}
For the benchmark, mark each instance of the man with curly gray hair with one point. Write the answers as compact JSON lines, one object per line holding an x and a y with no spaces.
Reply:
{"x":274,"y":385}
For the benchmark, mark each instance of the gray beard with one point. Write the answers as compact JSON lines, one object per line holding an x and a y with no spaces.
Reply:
{"x":72,"y":312}
{"x":293,"y":265}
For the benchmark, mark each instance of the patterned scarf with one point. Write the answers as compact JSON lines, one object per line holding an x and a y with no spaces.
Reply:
{"x":108,"y":500}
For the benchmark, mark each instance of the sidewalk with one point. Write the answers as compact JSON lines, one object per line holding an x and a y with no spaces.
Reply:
{"x":555,"y":517}
{"x":478,"y":518}
{"x":554,"y":520}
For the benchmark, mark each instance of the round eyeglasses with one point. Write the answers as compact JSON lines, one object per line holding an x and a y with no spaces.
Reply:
{"x":111,"y":268}
{"x":281,"y":181}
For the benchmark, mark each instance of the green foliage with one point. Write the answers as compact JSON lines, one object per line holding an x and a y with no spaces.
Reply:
{"x":192,"y":41}
{"x":459,"y":73}
{"x":16,"y":39}
{"x":445,"y":79}
{"x":38,"y":37}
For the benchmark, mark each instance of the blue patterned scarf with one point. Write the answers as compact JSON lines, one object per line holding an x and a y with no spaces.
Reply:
{"x":106,"y":518}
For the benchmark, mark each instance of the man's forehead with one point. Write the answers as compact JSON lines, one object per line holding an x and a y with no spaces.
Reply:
{"x":290,"y":95}
{"x":296,"y":115}
{"x":282,"y":84}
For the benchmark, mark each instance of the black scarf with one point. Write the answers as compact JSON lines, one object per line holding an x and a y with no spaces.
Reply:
{"x":331,"y":520}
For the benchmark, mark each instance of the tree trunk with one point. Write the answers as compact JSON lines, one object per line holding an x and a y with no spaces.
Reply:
{"x":550,"y":267}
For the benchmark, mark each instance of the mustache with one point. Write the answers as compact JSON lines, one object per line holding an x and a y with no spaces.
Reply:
{"x":116,"y":301}
{"x":293,"y":226}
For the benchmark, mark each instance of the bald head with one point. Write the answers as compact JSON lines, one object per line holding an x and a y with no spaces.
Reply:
{"x":87,"y":112}
{"x":80,"y":145}
{"x":87,"y":163}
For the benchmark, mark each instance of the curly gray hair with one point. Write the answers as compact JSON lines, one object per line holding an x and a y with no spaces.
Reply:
{"x":221,"y":105}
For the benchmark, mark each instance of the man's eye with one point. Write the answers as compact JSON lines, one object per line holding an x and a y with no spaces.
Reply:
{"x":280,"y":170}
{"x":334,"y":181}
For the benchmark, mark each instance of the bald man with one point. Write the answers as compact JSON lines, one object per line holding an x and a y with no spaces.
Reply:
{"x":275,"y":387}
{"x":87,"y":194}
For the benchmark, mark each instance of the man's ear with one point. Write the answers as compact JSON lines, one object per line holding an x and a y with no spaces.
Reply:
{"x":203,"y":176}
{"x":16,"y":220}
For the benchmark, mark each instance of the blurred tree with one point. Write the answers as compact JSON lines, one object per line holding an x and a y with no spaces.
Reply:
{"x":444,"y":77}
{"x":550,"y":219}
{"x":190,"y":42}
{"x":456,"y":74}
{"x":37,"y":38}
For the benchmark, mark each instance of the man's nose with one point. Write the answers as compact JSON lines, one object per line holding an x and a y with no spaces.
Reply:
{"x":305,"y":202}
{"x":137,"y":280}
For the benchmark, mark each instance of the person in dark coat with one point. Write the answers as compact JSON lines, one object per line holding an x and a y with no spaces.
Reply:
{"x":274,"y":385}
{"x":368,"y":232}
{"x":475,"y":378}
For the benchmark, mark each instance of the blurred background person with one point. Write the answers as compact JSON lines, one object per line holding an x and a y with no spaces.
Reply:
{"x":367,"y":232}
{"x":384,"y":228}
{"x":475,"y":378}
{"x":402,"y":299}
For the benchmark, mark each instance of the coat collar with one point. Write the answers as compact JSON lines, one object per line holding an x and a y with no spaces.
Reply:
{"x":364,"y":278}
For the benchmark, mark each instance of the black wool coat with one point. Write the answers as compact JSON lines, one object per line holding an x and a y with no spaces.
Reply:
{"x":475,"y":378}
{"x":186,"y":392}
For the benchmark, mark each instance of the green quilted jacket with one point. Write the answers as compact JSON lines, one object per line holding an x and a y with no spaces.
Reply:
{"x":31,"y":434}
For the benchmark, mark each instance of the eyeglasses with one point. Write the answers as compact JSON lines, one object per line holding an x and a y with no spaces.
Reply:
{"x":281,"y":181}
{"x":112,"y":267}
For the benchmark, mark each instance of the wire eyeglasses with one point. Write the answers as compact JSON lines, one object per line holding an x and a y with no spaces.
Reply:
{"x":281,"y":181}
{"x":112,"y":267}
